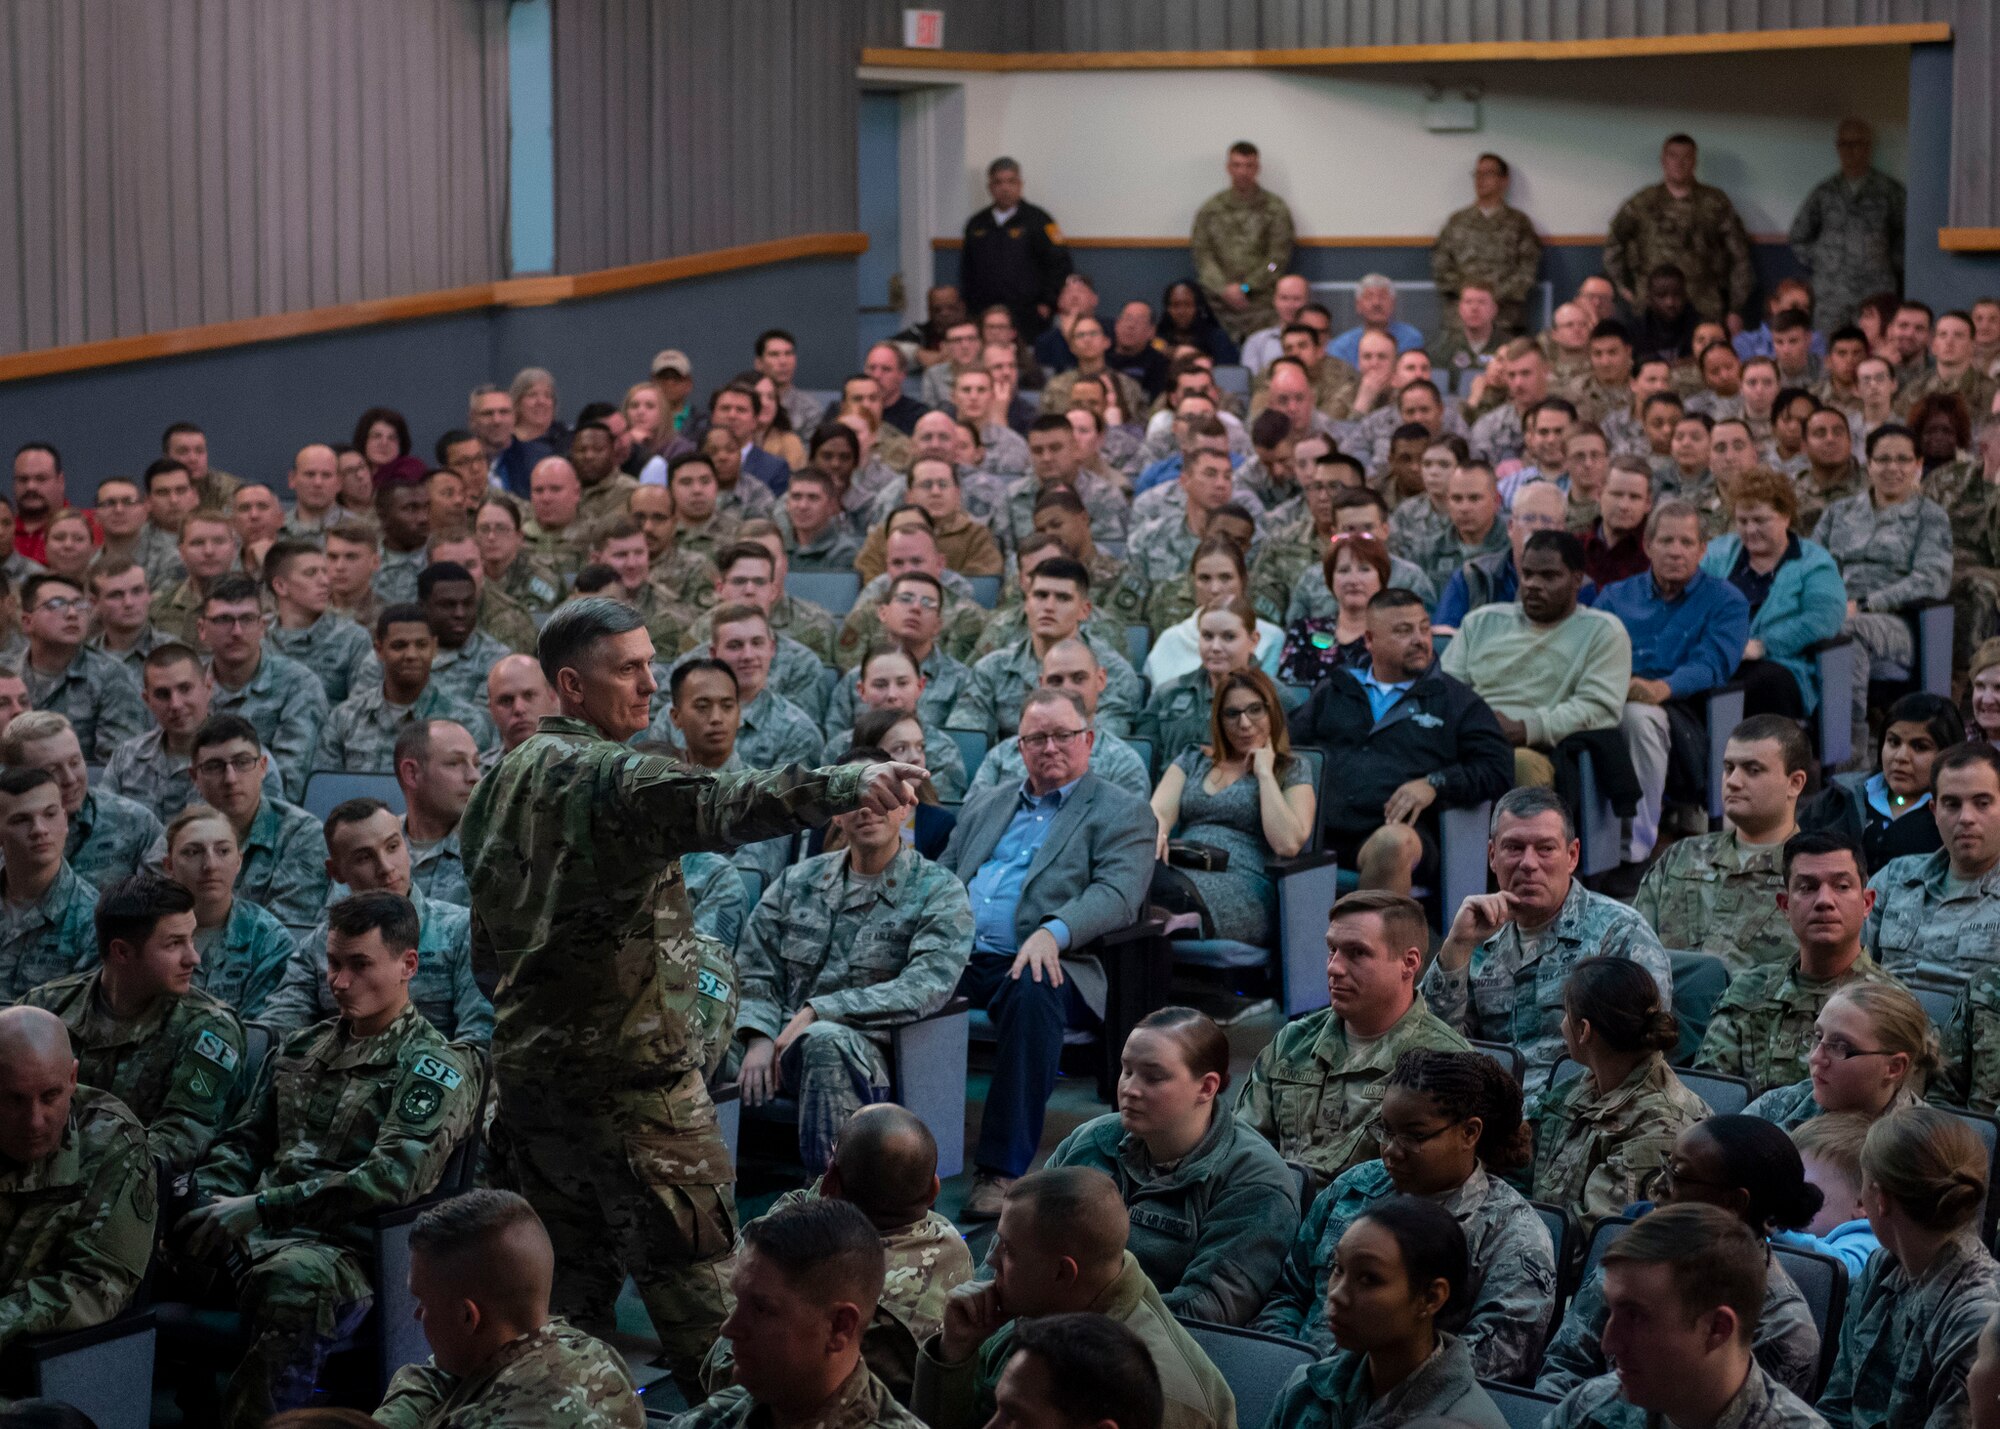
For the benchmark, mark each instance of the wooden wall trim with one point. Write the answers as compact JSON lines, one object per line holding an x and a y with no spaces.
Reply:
{"x":1969,"y":240}
{"x":1733,"y":42}
{"x":507,"y":293}
{"x":1424,"y":240}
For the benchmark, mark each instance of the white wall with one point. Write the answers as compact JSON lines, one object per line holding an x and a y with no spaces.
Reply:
{"x":1133,"y":153}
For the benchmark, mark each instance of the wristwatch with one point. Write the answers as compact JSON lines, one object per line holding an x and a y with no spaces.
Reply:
{"x":1435,"y":779}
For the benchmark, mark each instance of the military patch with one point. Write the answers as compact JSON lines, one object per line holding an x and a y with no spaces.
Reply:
{"x":216,"y":1050}
{"x":420,"y":1102}
{"x":201,"y":1086}
{"x":438,"y":1071}
{"x":711,"y":986}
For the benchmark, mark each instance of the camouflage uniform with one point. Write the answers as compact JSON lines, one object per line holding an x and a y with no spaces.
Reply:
{"x":173,"y":1067}
{"x":109,"y":835}
{"x":1499,"y":250}
{"x":799,"y":621}
{"x":52,"y":937}
{"x":865,"y":954}
{"x":1762,"y":1403}
{"x":707,"y":540}
{"x":531,"y":582}
{"x":335,"y":1128}
{"x":605,"y":501}
{"x":991,"y":704}
{"x":1448,"y":552}
{"x":1240,"y":241}
{"x":132,"y":659}
{"x":331,"y":647}
{"x":506,"y":620}
{"x":833,"y":549}
{"x":1500,"y":435}
{"x":1318,"y":1102}
{"x":681,"y":573}
{"x":97,"y":694}
{"x":861,"y":1402}
{"x":284,"y":863}
{"x":438,"y":869}
{"x":1849,"y":236}
{"x":578,"y":908}
{"x":395,"y":580}
{"x":362,"y":612}
{"x":1509,"y":993}
{"x":772,"y":733}
{"x":1971,"y":1043}
{"x":1509,"y":1297}
{"x":1177,"y":716}
{"x":1905,"y":1348}
{"x":1786,"y":1342}
{"x":1813,"y":499}
{"x":1891,"y":558}
{"x":360,"y":735}
{"x":1210,"y":1230}
{"x":941,"y":758}
{"x":1417,"y":527}
{"x":1972,"y":387}
{"x":715,"y":891}
{"x":1111,"y":758}
{"x":76,"y":1228}
{"x":1763,"y":1025}
{"x":796,"y":673}
{"x":1056,"y":391}
{"x":461,"y":674}
{"x":945,"y":680}
{"x":1961,"y":488}
{"x":173,"y":611}
{"x":443,"y":989}
{"x":1599,"y":1151}
{"x":1338,"y":1393}
{"x":1719,"y":895}
{"x":927,"y":1261}
{"x":1103,"y":501}
{"x":1162,"y":548}
{"x":556,"y":1377}
{"x":287,"y":704}
{"x":960,"y":1396}
{"x":243,"y":960}
{"x":158,"y":553}
{"x":964,"y":619}
{"x":1700,"y":234}
{"x":306,"y":527}
{"x":1916,"y":925}
{"x":146,"y":772}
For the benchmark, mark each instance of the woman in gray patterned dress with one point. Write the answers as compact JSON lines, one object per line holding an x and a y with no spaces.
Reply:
{"x":1243,"y":792}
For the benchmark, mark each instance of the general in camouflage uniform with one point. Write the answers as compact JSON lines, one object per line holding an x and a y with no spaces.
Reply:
{"x":360,"y":735}
{"x":109,"y":835}
{"x":1317,"y":1100}
{"x":76,"y":1228}
{"x":927,"y":1260}
{"x":1499,"y":251}
{"x":1509,"y":1296}
{"x":332,"y":647}
{"x":443,"y":989}
{"x":335,"y":1128}
{"x":1719,"y":895}
{"x":1923,"y":922}
{"x":865,"y":954}
{"x":1242,"y":241}
{"x":243,"y":958}
{"x":173,"y":1067}
{"x":1701,"y":234}
{"x":1762,"y":1403}
{"x":1786,"y":1342}
{"x":284,"y":863}
{"x":1849,"y":235}
{"x":1904,"y":1347}
{"x":1598,"y":1151}
{"x":1509,"y":994}
{"x":1339,"y":1391}
{"x":286,"y":704}
{"x":1762,"y":1029}
{"x":991,"y":704}
{"x":52,"y":937}
{"x":571,"y":849}
{"x":99,"y":697}
{"x":556,"y":1377}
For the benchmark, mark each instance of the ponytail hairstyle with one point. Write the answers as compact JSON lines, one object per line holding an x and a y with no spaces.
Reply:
{"x":1204,"y":1046}
{"x":1621,"y":1002}
{"x":1930,"y":1164}
{"x":1764,"y":1163}
{"x":1464,"y":1085}
{"x":1901,"y":1025}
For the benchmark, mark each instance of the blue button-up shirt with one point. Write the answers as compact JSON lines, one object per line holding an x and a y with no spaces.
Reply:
{"x":1347,"y":347}
{"x":996,"y":888}
{"x":1693,"y":641}
{"x":1381,"y":698}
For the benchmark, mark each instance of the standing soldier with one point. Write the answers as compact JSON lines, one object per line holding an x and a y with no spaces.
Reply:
{"x":572,"y":852}
{"x":1242,"y":242}
{"x":1688,"y":225}
{"x":1849,"y":231}
{"x":1014,"y":255}
{"x":1490,"y":244}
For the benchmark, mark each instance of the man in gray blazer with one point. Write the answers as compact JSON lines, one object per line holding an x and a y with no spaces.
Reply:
{"x":1050,"y":862}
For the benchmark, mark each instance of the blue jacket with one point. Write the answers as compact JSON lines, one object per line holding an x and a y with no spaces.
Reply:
{"x":1347,"y":347}
{"x":1693,"y":642}
{"x":1807,"y":604}
{"x":769,"y":469}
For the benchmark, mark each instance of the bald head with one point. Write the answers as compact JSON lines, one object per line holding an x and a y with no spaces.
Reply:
{"x":37,"y":1082}
{"x":886,"y":1164}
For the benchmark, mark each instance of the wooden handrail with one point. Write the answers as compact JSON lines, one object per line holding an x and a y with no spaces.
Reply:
{"x":506,"y":293}
{"x":1729,"y":42}
{"x":1414,"y":240}
{"x":1969,"y":240}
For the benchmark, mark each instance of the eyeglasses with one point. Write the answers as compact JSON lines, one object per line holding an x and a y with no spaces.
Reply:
{"x":1841,"y":1050}
{"x":1247,"y":714}
{"x":63,"y":605}
{"x":216,"y":768}
{"x":921,"y":602}
{"x":1411,"y":1140}
{"x":1680,"y":1176}
{"x":1051,"y":739}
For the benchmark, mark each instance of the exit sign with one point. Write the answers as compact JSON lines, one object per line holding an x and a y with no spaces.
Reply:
{"x":923,"y":29}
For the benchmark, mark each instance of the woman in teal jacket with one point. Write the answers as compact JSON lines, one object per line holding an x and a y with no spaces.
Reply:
{"x":1213,"y":1206}
{"x":1796,"y":596}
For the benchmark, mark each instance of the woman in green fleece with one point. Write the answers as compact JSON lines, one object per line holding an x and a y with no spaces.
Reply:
{"x":1213,"y":1207}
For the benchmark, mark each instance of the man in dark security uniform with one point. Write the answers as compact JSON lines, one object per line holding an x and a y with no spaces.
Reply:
{"x":1014,"y":254}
